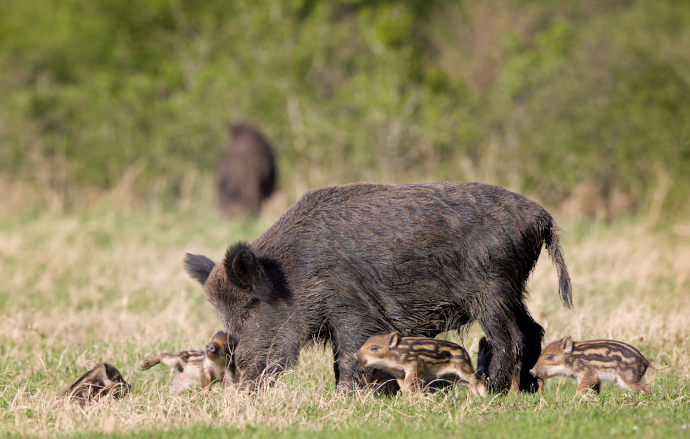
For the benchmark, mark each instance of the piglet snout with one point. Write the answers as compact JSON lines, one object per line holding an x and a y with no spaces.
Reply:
{"x":361,"y":362}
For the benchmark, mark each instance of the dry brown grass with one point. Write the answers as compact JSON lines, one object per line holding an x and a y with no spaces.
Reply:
{"x":111,"y":287}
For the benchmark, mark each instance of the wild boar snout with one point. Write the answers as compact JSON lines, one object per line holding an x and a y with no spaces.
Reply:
{"x":533,"y":372}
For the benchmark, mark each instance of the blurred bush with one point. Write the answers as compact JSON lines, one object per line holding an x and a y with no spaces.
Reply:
{"x":584,"y":103}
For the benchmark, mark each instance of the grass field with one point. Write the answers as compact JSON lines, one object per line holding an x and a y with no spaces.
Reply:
{"x":111,"y":287}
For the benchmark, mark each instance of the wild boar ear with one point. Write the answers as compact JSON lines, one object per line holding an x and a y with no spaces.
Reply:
{"x":482,"y":343}
{"x":393,"y":342}
{"x":91,"y":365}
{"x":198,"y":267}
{"x":244,"y":270}
{"x":567,"y":344}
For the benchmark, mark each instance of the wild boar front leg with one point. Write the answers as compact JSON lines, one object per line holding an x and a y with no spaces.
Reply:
{"x":588,"y":384}
{"x":409,"y":383}
{"x":206,"y":381}
{"x":516,"y":339}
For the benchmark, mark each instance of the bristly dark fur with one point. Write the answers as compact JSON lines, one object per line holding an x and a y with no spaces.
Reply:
{"x":199,"y":267}
{"x":347,"y":262}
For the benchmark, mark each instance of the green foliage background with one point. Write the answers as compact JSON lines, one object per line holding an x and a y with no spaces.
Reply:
{"x":558,"y":100}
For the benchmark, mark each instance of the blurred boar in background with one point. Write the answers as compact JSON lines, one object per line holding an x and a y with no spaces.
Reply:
{"x":347,"y":262}
{"x":246,"y":173}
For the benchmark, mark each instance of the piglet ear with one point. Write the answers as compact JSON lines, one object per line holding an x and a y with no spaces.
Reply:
{"x":91,"y":365}
{"x":567,"y":345}
{"x":393,"y":342}
{"x":245,"y":270}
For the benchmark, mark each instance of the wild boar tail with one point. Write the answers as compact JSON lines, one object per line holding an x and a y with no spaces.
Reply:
{"x":653,"y":367}
{"x":551,"y":237}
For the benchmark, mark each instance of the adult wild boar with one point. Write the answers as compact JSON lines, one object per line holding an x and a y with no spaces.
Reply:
{"x":347,"y":262}
{"x":246,"y":173}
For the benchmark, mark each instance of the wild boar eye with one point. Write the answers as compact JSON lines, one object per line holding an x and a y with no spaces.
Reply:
{"x":374,"y":348}
{"x":549,"y":357}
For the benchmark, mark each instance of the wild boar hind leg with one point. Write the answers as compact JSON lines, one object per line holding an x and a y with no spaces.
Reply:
{"x":148,"y":364}
{"x":533,"y":335}
{"x":515,"y":336}
{"x":170,"y":360}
